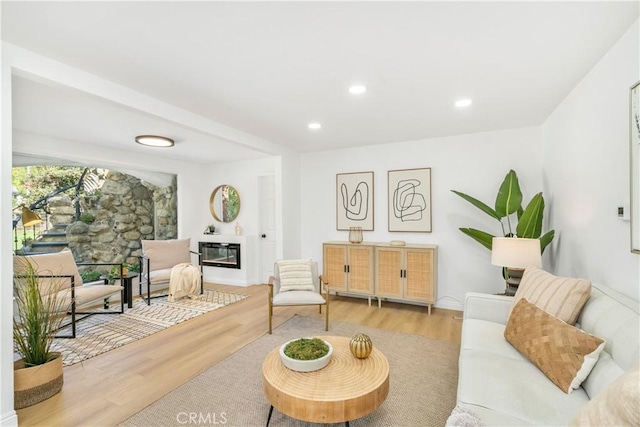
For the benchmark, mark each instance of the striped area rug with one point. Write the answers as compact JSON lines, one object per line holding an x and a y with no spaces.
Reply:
{"x":100,"y":333}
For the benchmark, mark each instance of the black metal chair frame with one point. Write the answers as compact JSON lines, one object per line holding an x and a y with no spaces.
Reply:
{"x":73,"y":312}
{"x":144,"y":267}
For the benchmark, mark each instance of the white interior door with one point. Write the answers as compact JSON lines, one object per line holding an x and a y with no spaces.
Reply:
{"x":267,"y":232}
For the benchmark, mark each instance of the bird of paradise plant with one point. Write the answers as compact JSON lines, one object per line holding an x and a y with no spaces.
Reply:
{"x":509,"y":202}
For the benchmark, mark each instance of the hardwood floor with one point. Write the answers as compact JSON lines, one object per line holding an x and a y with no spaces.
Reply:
{"x":108,"y":389}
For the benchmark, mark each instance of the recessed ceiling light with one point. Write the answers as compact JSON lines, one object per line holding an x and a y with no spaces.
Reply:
{"x":154,"y":141}
{"x":314,"y":126}
{"x":357,"y":89}
{"x":463,"y":103}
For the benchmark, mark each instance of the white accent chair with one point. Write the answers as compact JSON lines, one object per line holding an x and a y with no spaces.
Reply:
{"x":158,"y":259}
{"x":74,"y":293}
{"x":296,"y":282}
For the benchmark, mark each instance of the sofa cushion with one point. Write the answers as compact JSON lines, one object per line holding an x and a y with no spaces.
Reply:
{"x":487,"y":336}
{"x":561,"y":297}
{"x":618,"y":405}
{"x":613,"y":318}
{"x":564,"y":353}
{"x":295,"y":275}
{"x":509,"y":391}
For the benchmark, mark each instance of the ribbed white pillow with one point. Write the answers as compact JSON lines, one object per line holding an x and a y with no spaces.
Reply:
{"x":295,"y":275}
{"x":562,"y":297}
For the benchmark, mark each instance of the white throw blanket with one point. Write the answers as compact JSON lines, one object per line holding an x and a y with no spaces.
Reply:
{"x":184,"y":281}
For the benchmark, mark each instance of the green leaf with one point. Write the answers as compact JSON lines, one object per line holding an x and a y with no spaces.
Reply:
{"x":530,"y":223}
{"x":485,"y":239}
{"x":546,"y":239}
{"x":478,"y":204}
{"x":509,"y":198}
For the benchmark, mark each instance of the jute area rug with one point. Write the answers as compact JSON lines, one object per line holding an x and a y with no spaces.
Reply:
{"x":100,"y":333}
{"x":423,"y":381}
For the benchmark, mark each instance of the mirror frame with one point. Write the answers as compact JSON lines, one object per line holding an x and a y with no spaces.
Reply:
{"x":212,"y":206}
{"x":634,"y":165}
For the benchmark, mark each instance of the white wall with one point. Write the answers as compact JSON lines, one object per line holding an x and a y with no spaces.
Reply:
{"x":475,"y":164}
{"x":8,"y":416}
{"x":244,"y":177}
{"x":585,"y":153}
{"x":289,"y":185}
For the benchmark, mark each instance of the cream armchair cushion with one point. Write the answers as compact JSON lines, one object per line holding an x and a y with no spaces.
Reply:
{"x":296,"y":282}
{"x":63,"y":264}
{"x":163,"y":256}
{"x":159,"y":258}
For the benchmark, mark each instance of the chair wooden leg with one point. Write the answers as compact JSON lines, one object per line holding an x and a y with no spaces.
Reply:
{"x":270,"y":315}
{"x":326,"y":322}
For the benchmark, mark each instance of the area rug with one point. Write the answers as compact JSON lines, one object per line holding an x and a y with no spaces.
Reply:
{"x":423,"y":381}
{"x":100,"y":333}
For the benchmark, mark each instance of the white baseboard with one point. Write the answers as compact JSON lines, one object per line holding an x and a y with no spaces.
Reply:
{"x":9,"y":419}
{"x":449,"y":305}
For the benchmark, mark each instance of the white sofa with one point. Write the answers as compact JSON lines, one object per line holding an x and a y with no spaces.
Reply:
{"x":503,"y":388}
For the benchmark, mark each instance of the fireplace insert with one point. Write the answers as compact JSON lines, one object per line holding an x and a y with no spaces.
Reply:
{"x":225,"y":255}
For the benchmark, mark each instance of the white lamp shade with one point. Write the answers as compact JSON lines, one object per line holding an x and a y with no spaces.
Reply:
{"x":516,"y":252}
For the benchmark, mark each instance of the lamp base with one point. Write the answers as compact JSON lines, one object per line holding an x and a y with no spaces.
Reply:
{"x":514,"y":275}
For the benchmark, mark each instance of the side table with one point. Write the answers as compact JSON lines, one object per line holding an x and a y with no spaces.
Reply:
{"x":127,"y":283}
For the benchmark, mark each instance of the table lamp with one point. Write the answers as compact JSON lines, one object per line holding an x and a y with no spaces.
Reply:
{"x":515,"y":254}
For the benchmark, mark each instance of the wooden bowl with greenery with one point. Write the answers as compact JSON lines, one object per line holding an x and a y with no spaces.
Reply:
{"x":306,"y":354}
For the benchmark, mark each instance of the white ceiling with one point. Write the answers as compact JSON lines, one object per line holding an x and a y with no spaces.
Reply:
{"x":269,"y":68}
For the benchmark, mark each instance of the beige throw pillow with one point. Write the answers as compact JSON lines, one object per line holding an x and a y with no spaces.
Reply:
{"x":562,"y":297}
{"x":295,"y":275}
{"x":564,"y":353}
{"x":617,"y":405}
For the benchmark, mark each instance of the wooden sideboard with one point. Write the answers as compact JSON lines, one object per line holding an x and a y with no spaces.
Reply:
{"x":380,"y":270}
{"x":349,"y":267}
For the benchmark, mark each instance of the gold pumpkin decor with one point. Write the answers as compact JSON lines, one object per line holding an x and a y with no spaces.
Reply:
{"x":361,"y":346}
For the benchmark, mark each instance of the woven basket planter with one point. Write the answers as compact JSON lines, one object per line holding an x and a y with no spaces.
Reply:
{"x":37,"y":383}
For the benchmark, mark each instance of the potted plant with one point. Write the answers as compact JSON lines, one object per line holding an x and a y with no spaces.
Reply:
{"x":306,"y":354}
{"x":509,"y":202}
{"x":38,"y":373}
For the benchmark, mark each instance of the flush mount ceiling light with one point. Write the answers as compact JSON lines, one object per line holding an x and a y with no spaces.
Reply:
{"x":463,"y":103}
{"x":314,"y":126}
{"x":154,"y":141}
{"x":357,"y":89}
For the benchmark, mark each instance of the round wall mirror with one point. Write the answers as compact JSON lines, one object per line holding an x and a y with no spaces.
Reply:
{"x":224,"y":203}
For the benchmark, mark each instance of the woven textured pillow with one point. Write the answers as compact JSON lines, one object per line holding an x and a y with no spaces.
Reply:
{"x":295,"y":275}
{"x":617,"y":405}
{"x":562,"y":297}
{"x":564,"y":353}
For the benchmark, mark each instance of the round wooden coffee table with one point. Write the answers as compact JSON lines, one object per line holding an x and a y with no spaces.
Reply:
{"x":346,"y":389}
